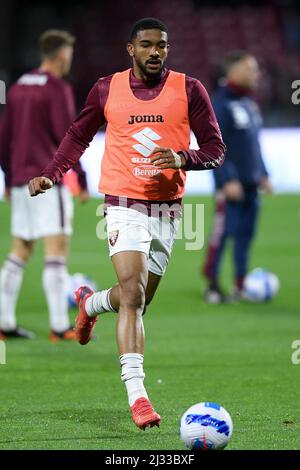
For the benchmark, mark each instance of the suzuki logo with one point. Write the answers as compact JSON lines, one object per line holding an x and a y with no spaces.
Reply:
{"x":146,"y":138}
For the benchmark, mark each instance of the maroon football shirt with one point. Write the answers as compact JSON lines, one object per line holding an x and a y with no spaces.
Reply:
{"x":39,"y":110}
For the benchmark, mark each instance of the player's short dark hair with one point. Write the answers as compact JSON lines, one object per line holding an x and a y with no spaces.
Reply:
{"x":52,"y":40}
{"x":147,"y":23}
{"x":233,"y":57}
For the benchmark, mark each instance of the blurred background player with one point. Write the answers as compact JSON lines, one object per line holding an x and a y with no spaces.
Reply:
{"x":242,"y":175}
{"x":39,"y":110}
{"x":135,"y":170}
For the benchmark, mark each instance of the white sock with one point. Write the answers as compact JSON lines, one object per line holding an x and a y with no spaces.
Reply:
{"x":55,"y":282}
{"x":11,"y":277}
{"x":133,"y":375}
{"x":98,"y":303}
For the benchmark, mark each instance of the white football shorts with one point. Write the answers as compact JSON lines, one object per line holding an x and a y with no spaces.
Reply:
{"x":44,"y":215}
{"x":131,"y":230}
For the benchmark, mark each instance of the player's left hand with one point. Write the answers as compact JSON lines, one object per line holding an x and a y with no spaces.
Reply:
{"x":166,"y":158}
{"x":83,"y":196}
{"x":266,"y":185}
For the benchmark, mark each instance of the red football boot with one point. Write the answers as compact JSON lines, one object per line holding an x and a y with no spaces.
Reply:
{"x":84,"y":324}
{"x":67,"y":335}
{"x":143,"y":414}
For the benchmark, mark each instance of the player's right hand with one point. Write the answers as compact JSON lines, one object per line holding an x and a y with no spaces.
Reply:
{"x":233,"y":190}
{"x":39,"y":185}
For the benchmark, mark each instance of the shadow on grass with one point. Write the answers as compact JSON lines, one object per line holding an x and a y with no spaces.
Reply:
{"x":83,"y":415}
{"x":108,"y":421}
{"x":111,"y":424}
{"x":65,"y":439}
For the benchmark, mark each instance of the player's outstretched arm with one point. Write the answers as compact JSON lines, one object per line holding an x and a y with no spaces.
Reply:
{"x":39,"y":185}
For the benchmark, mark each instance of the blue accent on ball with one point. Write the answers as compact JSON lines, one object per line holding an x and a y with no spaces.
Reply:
{"x":268,"y":291}
{"x":207,"y":420}
{"x":210,"y":404}
{"x":198,"y":444}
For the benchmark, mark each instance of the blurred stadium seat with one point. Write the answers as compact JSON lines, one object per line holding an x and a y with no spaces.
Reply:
{"x":200,"y":34}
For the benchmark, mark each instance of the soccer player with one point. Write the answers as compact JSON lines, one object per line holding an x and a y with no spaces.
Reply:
{"x":144,"y":107}
{"x":39,"y":110}
{"x":241,"y":176}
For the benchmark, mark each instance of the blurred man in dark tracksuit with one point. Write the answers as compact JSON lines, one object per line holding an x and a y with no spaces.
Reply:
{"x":241,"y":176}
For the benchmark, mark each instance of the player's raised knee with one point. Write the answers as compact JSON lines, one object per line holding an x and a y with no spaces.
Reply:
{"x":133,"y":295}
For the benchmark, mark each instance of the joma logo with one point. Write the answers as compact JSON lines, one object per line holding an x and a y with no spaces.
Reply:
{"x":145,"y":118}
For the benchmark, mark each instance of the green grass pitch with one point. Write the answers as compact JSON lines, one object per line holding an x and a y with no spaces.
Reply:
{"x":65,"y":396}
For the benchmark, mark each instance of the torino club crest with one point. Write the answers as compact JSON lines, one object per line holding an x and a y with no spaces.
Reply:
{"x":113,"y":237}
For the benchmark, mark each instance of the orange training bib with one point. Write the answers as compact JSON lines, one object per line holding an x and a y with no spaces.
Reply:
{"x":134,"y":128}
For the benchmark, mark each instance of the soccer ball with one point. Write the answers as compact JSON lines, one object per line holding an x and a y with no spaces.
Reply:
{"x":206,"y":426}
{"x":260,"y":285}
{"x":76,"y":280}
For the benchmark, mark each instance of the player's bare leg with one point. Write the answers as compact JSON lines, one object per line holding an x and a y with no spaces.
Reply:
{"x":136,"y":288}
{"x":109,"y":300}
{"x":23,"y":249}
{"x":152,"y":285}
{"x":130,"y":297}
{"x":132,"y":271}
{"x":11,"y":277}
{"x":55,"y":278}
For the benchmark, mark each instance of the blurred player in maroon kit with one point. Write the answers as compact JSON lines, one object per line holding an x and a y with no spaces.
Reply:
{"x":39,"y":111}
